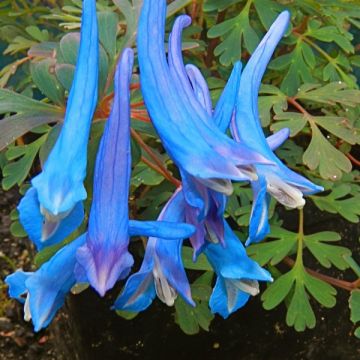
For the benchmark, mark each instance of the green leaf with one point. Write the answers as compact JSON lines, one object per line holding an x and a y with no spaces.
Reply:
{"x":236,"y":33}
{"x":69,"y":47}
{"x":320,"y":290}
{"x":200,"y":264}
{"x":19,"y":43}
{"x":278,"y":290}
{"x":331,"y":94}
{"x":327,"y":254}
{"x":192,"y":319}
{"x":127,"y":315}
{"x":276,"y":102}
{"x":292,"y":120}
{"x":273,"y":251}
{"x":332,"y":34}
{"x":17,"y":171}
{"x":176,"y":6}
{"x":131,"y":10}
{"x":17,"y":230}
{"x":17,"y":125}
{"x":135,"y":153}
{"x":65,"y":74}
{"x":340,"y":127}
{"x":11,"y":102}
{"x":218,"y":5}
{"x":108,"y":26}
{"x":340,"y":201}
{"x":142,"y":174}
{"x":268,"y":11}
{"x":299,"y":70}
{"x":321,"y":154}
{"x":300,"y":314}
{"x":43,"y":75}
{"x":37,"y":34}
{"x":354,"y":305}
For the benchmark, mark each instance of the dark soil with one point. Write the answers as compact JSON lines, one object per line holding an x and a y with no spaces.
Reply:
{"x":17,"y":339}
{"x":87,"y":330}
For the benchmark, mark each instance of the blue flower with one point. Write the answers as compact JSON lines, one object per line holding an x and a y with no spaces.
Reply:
{"x":100,"y":256}
{"x":57,"y":192}
{"x":162,"y":272}
{"x":283,"y":184}
{"x":105,"y":258}
{"x":205,"y":207}
{"x":237,"y":275}
{"x":187,"y":132}
{"x":43,"y":291}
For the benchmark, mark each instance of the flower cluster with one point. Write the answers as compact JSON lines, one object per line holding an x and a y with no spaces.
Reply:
{"x":194,"y":135}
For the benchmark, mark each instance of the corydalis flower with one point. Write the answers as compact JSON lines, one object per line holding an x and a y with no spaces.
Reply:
{"x":162,"y":272}
{"x":58,"y":190}
{"x":205,"y":207}
{"x":43,"y":292}
{"x":279,"y":181}
{"x":102,"y":251}
{"x":104,"y":258}
{"x":190,"y":138}
{"x":237,"y":275}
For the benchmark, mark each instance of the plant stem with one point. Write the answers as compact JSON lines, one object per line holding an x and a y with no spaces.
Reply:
{"x":353,"y":160}
{"x":300,"y":238}
{"x":164,"y":171}
{"x":346,"y":285}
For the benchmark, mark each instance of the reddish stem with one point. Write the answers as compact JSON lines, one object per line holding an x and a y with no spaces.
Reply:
{"x":164,"y":171}
{"x":346,"y":285}
{"x":353,"y":160}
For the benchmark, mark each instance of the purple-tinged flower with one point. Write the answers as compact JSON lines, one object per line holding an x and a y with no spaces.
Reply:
{"x":162,"y":272}
{"x":190,"y":137}
{"x":237,"y":275}
{"x":104,"y":258}
{"x":43,"y":292}
{"x":99,"y":256}
{"x":57,"y":192}
{"x":283,"y":184}
{"x":205,"y":207}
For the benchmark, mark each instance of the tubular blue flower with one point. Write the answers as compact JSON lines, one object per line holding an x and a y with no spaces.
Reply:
{"x":162,"y":272}
{"x":205,"y":207}
{"x":100,"y":255}
{"x":57,"y":192}
{"x":190,"y":137}
{"x":104,"y":258}
{"x":279,"y":181}
{"x":43,"y":291}
{"x":237,"y":275}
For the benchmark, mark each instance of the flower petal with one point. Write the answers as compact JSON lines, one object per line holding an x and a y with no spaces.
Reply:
{"x":33,"y":221}
{"x":259,"y":225}
{"x":48,"y":286}
{"x":186,"y":130}
{"x":200,"y":88}
{"x":232,"y":262}
{"x":246,"y":127}
{"x":225,"y":107}
{"x":105,"y":257}
{"x":139,"y":290}
{"x":226,"y":298}
{"x":16,"y":283}
{"x":59,"y":188}
{"x":277,"y":139}
{"x":161,"y":229}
